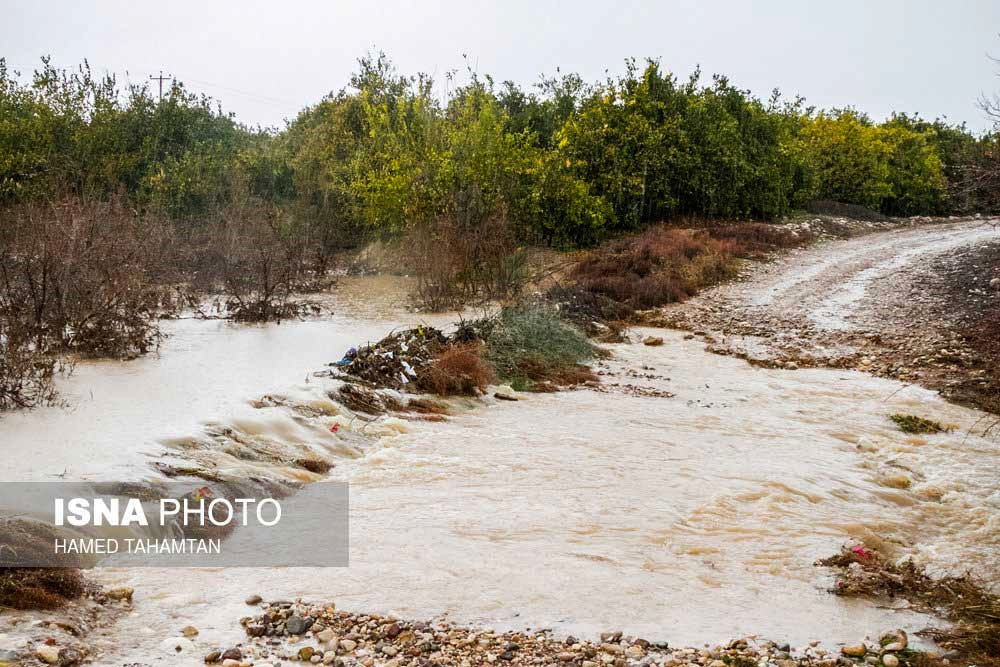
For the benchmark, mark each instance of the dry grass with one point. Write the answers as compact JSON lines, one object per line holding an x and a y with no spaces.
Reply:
{"x":39,"y":588}
{"x":663,"y":265}
{"x":546,"y":376}
{"x":459,"y":369}
{"x":758,"y":239}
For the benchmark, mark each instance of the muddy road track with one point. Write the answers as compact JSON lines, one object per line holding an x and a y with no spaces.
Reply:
{"x":915,"y":304}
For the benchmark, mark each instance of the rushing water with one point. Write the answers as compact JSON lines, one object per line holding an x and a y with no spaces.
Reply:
{"x":689,"y":519}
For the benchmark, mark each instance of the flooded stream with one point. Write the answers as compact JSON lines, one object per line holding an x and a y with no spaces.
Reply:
{"x":689,"y":519}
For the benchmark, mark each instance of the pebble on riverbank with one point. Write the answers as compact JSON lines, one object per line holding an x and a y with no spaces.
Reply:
{"x":321,"y":634}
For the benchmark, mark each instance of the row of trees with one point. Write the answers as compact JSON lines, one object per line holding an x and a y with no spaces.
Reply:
{"x":567,"y":163}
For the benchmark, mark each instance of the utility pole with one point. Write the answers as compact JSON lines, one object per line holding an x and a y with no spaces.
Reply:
{"x":161,"y":79}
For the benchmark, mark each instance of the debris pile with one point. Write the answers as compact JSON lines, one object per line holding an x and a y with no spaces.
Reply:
{"x":396,"y":360}
{"x":974,"y":612}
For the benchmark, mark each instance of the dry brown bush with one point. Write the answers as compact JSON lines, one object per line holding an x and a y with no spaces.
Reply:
{"x":254,"y":255}
{"x":459,"y":369}
{"x":75,"y":276}
{"x":548,"y":376}
{"x":662,"y":265}
{"x":755,"y":239}
{"x":25,"y":375}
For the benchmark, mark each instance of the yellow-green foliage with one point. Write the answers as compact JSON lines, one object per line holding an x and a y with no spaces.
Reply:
{"x":890,"y":168}
{"x":566,"y":163}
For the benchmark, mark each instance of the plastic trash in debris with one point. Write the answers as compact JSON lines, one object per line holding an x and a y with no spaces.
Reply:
{"x":349,"y":356}
{"x":334,"y":427}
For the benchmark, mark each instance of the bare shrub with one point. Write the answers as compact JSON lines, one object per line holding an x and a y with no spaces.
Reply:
{"x":74,"y":276}
{"x":255,"y":256}
{"x":755,"y":239}
{"x":25,"y":375}
{"x":457,"y":262}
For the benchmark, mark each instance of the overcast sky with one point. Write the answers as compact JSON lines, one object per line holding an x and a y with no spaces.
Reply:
{"x":266,"y":60}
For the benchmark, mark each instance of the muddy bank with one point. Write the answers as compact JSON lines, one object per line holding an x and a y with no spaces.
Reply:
{"x":919,"y":305}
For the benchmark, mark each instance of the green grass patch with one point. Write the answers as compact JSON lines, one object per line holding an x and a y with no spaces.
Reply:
{"x":532,"y":343}
{"x":916,"y":425}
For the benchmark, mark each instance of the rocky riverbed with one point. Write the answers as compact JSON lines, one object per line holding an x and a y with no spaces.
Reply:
{"x":299,"y":632}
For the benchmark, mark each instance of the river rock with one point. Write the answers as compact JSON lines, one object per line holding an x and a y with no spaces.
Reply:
{"x":329,"y":657}
{"x":855,"y":651}
{"x":189,"y":631}
{"x":995,"y":283}
{"x":505,"y":393}
{"x":123,"y":593}
{"x":894,"y":641}
{"x":229,"y":662}
{"x":325,"y":635}
{"x":890,"y":660}
{"x":47,"y":654}
{"x":69,"y":656}
{"x":306,"y":653}
{"x":296,"y":625}
{"x":232,"y":654}
{"x":213,"y":656}
{"x":174,"y":645}
{"x":652,"y":341}
{"x":253,"y":599}
{"x":348,"y":645}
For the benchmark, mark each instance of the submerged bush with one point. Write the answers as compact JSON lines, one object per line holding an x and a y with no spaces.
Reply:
{"x":916,"y":425}
{"x":25,"y":375}
{"x":75,"y":276}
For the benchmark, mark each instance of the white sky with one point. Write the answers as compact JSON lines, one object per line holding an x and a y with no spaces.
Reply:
{"x":266,"y":60}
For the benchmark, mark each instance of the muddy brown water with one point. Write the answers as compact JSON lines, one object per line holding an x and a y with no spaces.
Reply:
{"x":689,"y":519}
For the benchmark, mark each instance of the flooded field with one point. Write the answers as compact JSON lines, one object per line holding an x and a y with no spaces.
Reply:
{"x":689,"y":519}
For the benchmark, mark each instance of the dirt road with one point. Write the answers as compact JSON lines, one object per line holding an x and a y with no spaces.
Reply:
{"x":915,"y":304}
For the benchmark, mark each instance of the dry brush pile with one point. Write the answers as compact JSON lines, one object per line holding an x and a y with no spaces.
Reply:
{"x":528,"y":346}
{"x":973,"y":636}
